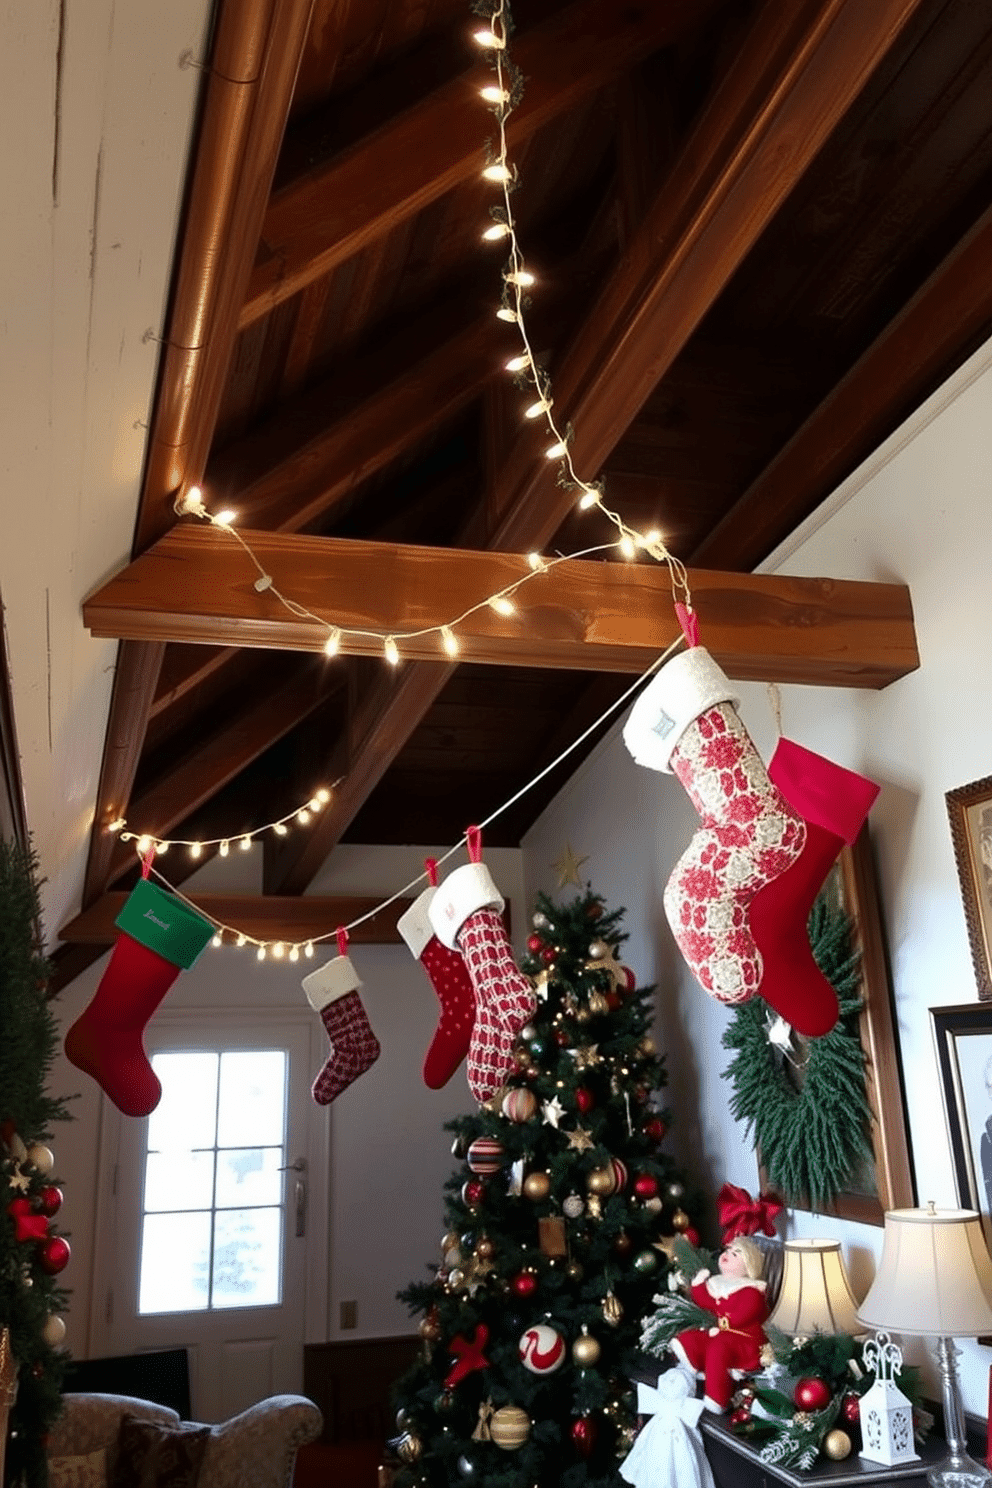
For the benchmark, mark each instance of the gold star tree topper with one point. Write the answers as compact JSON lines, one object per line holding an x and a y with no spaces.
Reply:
{"x":567,"y":867}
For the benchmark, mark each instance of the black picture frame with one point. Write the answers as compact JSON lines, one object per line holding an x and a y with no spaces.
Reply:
{"x":963,"y":1044}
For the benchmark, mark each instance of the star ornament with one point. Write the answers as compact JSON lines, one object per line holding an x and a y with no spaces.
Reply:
{"x":552,"y":1111}
{"x":587,"y":1056}
{"x":580,"y":1140}
{"x":612,"y":967}
{"x":541,"y":984}
{"x":567,"y":867}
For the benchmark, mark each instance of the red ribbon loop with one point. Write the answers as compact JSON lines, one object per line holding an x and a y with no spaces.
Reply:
{"x":473,"y":837}
{"x":739,"y":1214}
{"x":689,"y":621}
{"x":342,"y":936}
{"x":431,"y":865}
{"x":146,"y":861}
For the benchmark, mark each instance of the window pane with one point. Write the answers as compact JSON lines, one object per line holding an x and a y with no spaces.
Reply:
{"x":175,"y":1260}
{"x":248,"y":1175}
{"x":179,"y":1180}
{"x":186,"y":1115}
{"x":252,"y":1099}
{"x":247,"y":1243}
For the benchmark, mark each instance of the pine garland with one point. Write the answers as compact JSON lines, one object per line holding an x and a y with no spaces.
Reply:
{"x":814,"y":1137}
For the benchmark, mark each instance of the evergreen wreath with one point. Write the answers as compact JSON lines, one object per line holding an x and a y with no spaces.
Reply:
{"x":812,"y":1131}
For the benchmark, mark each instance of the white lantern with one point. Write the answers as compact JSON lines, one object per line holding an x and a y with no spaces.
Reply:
{"x":886,"y":1413}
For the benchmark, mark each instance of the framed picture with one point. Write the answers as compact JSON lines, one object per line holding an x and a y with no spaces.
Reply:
{"x":963,"y":1038}
{"x":886,"y":1182}
{"x":970,"y":811}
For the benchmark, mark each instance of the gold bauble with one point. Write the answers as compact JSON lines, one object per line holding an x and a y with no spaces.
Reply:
{"x":602,"y":1181}
{"x":837,"y":1444}
{"x":485,"y":1248}
{"x":449,"y":1240}
{"x":537,"y":1186}
{"x":648,"y":1047}
{"x":586,"y":1349}
{"x":680,"y":1220}
{"x":456,"y":1278}
{"x":612,"y":1309}
{"x":598,"y":1003}
{"x":409,"y":1447}
{"x":430,"y":1329}
{"x":509,"y":1427}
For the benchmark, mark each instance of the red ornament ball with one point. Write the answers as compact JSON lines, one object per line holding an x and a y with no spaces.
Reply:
{"x":562,"y":1038}
{"x":812,"y":1394}
{"x":486,"y":1155}
{"x":594,"y":909}
{"x":740,"y":1416}
{"x":541,"y":1349}
{"x":548,"y":955}
{"x":53,"y":1256}
{"x":50,"y":1200}
{"x":654,"y":1129}
{"x":692,"y":1235}
{"x":619,"y":1173}
{"x":584,"y":1435}
{"x":850,"y":1409}
{"x":613,"y":1001}
{"x":473,"y":1192}
{"x":646,"y":1186}
{"x":629,"y":979}
{"x":535,"y":943}
{"x":524,"y":1284}
{"x":584,"y":1099}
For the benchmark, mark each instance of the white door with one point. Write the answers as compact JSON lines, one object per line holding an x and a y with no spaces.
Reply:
{"x":217,"y":1209}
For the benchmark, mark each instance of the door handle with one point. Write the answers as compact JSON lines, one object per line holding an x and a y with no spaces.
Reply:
{"x":299,"y":1166}
{"x":301,"y":1208}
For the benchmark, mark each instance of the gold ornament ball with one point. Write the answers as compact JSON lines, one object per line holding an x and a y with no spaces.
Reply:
{"x":485,"y":1248}
{"x":837,"y":1444}
{"x":598,"y":950}
{"x":582,"y":1015}
{"x":409,"y":1447}
{"x":598,"y":1003}
{"x":612,"y":1309}
{"x":41,"y":1157}
{"x":53,"y":1331}
{"x":680,"y":1220}
{"x":601,"y":1181}
{"x":510,"y":1427}
{"x":537,"y":1186}
{"x":586,"y":1349}
{"x":429,"y":1329}
{"x":648,"y":1047}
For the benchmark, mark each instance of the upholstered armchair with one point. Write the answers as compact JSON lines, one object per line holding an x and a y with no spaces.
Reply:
{"x":256,"y":1449}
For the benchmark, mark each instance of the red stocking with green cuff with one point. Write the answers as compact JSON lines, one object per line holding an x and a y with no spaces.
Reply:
{"x":332,"y":991}
{"x":160,"y":935}
{"x":834,"y":803}
{"x":448,"y":975}
{"x":465,"y":912}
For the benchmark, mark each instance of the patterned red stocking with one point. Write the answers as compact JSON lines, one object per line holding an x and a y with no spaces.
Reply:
{"x":448,"y":975}
{"x":332,"y":991}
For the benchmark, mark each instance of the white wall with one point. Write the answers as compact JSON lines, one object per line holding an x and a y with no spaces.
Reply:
{"x":919,"y":512}
{"x":389,"y":1154}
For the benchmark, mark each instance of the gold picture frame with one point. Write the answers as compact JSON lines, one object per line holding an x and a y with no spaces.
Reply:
{"x":969,"y":810}
{"x":887,"y":1181}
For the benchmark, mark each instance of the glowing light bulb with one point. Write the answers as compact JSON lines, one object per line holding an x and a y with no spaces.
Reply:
{"x":144,"y":843}
{"x":517,"y":363}
{"x":588,"y":499}
{"x":260,"y":953}
{"x":627,"y":546}
{"x":308,"y":949}
{"x":489,"y":39}
{"x":278,"y":950}
{"x":498,"y":172}
{"x":245,"y":844}
{"x":118,"y":825}
{"x":303,"y":816}
{"x":652,"y":537}
{"x":536,"y":409}
{"x":241,"y":941}
{"x":536,"y":562}
{"x":294,"y":953}
{"x":323,"y":795}
{"x":161,"y":848}
{"x":391,"y":651}
{"x":193,"y":500}
{"x":218,"y":939}
{"x":333,"y":643}
{"x":502,"y":605}
{"x":449,"y":640}
{"x":505,"y":313}
{"x":520,"y":276}
{"x":494,"y":233}
{"x":225,"y":518}
{"x":224,"y":849}
{"x":556,"y":450}
{"x":195,"y":849}
{"x":493,"y":94}
{"x":280,"y":829}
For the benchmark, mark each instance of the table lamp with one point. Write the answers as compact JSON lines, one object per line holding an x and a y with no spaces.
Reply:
{"x":815,"y":1294}
{"x":935,"y":1279}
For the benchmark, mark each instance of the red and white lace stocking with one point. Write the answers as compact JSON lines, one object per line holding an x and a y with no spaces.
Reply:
{"x":332,"y":991}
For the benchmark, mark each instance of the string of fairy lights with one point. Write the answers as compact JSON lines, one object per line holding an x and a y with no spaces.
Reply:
{"x":502,"y":97}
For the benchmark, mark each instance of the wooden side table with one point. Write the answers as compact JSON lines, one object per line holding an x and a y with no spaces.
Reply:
{"x":736,"y":1464}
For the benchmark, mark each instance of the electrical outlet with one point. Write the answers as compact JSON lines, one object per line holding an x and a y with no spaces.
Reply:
{"x":349,"y":1314}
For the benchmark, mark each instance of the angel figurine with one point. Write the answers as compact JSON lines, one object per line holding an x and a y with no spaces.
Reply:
{"x":668,"y":1452}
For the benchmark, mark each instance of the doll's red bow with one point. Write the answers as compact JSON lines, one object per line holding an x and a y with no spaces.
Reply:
{"x":741,"y":1215}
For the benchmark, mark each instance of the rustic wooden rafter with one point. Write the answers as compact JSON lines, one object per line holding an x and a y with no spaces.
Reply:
{"x":340,"y":207}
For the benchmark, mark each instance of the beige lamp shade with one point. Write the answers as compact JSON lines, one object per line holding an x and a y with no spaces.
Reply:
{"x":815,"y":1294}
{"x":935,"y":1275}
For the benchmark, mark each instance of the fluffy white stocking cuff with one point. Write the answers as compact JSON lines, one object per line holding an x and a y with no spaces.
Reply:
{"x":686,"y":687}
{"x":329,"y":982}
{"x":415,"y":924}
{"x":463,"y":892}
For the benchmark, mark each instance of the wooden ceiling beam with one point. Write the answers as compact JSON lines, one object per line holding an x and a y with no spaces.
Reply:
{"x":196,"y":585}
{"x":218,"y":759}
{"x":340,"y":207}
{"x":944,"y":321}
{"x":294,"y":919}
{"x":799,"y":69}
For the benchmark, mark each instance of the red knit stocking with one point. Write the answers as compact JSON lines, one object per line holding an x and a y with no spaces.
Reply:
{"x":504,"y":1001}
{"x":448,"y":975}
{"x":332,"y":991}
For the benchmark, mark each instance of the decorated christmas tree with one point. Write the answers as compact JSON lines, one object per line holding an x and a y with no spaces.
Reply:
{"x":561,"y":1221}
{"x":31,"y":1255}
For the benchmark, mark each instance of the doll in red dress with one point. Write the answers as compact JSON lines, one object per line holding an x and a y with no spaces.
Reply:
{"x":732,"y":1347}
